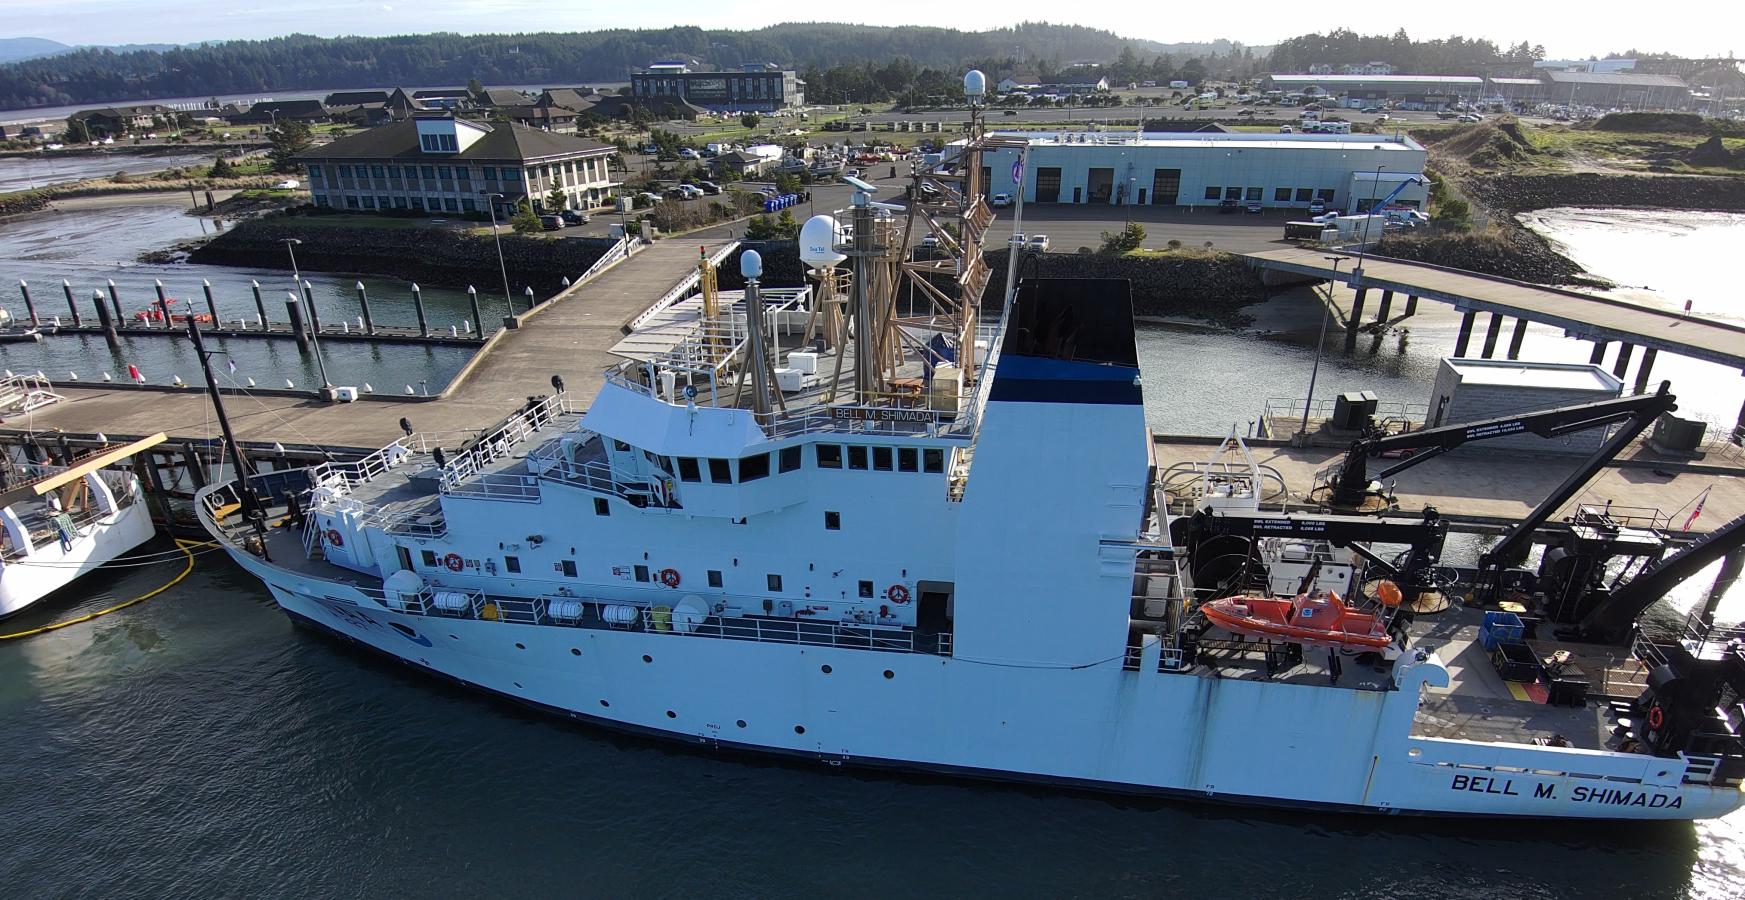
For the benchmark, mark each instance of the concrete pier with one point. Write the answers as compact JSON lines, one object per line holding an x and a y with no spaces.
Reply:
{"x":1465,"y":337}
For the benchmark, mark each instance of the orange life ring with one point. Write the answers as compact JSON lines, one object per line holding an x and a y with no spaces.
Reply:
{"x":335,"y":538}
{"x":669,"y":577}
{"x":897,"y":593}
{"x":1656,"y":717}
{"x":453,"y":562}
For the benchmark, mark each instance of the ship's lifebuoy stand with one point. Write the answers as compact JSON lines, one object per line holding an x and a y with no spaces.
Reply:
{"x":453,"y":562}
{"x":897,"y":593}
{"x":335,"y":538}
{"x":670,"y":578}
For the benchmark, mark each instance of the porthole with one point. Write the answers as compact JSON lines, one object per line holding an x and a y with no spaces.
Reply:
{"x":671,"y":715}
{"x":517,"y":684}
{"x":890,"y":674}
{"x":741,"y":723}
{"x":520,"y":646}
{"x":605,"y":704}
{"x":574,"y":651}
{"x":799,"y":729}
{"x":404,"y":630}
{"x":647,"y":659}
{"x":825,"y":669}
{"x":454,"y":637}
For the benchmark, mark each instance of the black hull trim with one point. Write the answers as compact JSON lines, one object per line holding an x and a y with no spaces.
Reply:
{"x":1079,"y":785}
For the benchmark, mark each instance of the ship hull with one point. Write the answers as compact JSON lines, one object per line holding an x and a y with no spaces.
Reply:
{"x":26,"y":582}
{"x":1097,"y":728}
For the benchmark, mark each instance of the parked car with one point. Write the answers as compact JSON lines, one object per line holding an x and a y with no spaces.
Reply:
{"x":1229,"y":206}
{"x":289,"y":184}
{"x":1038,"y":243}
{"x":1445,"y":114}
{"x":1001,"y":201}
{"x":1371,"y":110}
{"x":688,"y":153}
{"x":1383,"y":117}
{"x":690,"y":191}
{"x":1254,"y":208}
{"x":551,"y":223}
{"x":709,"y":187}
{"x":1009,"y":112}
{"x":1285,"y":129}
{"x":930,"y":241}
{"x":648,"y":197}
{"x":1317,"y":207}
{"x":574,"y":217}
{"x":1469,"y":119}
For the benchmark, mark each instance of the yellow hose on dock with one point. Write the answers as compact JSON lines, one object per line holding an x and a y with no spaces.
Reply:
{"x":187,"y":550}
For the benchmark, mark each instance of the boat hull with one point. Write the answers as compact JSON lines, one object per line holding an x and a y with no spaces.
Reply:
{"x":25,"y":582}
{"x":1098,"y":727}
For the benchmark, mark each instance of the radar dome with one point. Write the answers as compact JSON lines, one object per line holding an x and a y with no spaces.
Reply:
{"x":818,"y":238}
{"x":975,"y":84}
{"x":751,"y":264}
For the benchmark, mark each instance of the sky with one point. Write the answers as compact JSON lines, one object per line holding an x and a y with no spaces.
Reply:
{"x":1599,"y":27}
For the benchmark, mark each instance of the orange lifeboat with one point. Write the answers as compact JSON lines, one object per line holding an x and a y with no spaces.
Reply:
{"x":1313,"y":620}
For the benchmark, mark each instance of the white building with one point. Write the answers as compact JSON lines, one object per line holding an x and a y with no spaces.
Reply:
{"x":1164,"y":169}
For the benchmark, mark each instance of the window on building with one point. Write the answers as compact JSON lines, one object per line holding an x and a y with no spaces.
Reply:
{"x":907,"y":459}
{"x":369,"y":202}
{"x":714,"y":578}
{"x":429,"y":172}
{"x":321,"y":200}
{"x":1325,"y":194}
{"x":832,"y":520}
{"x":829,"y":456}
{"x":1213,"y":192}
{"x":399,"y":202}
{"x":641,"y":573}
{"x":393,"y":171}
{"x":881,"y":458}
{"x":316,"y":173}
{"x":857,"y":456}
{"x":412,"y":174}
{"x":933,"y":461}
{"x":351,"y":201}
{"x":384,"y":202}
{"x":490,"y":173}
{"x":601,"y":507}
{"x":417,"y":202}
{"x":775,"y":582}
{"x":866,"y":588}
{"x":510,"y":173}
{"x":378,"y":172}
{"x":1255,"y":193}
{"x":790,"y":460}
{"x":345,"y":171}
{"x":444,"y":172}
{"x":720,"y":471}
{"x":1232,"y":193}
{"x":468,"y":204}
{"x":688,"y":469}
{"x":449,"y":204}
{"x":751,"y":468}
{"x":428,"y":557}
{"x":1281,"y":195}
{"x":463,"y":173}
{"x":1304,"y":195}
{"x":569,"y":568}
{"x":512,"y":565}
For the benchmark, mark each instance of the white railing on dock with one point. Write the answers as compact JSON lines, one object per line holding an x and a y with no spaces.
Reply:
{"x":683,"y":289}
{"x":622,"y":250}
{"x":23,"y":393}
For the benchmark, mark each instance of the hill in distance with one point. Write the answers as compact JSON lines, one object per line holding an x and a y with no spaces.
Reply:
{"x":19,"y":48}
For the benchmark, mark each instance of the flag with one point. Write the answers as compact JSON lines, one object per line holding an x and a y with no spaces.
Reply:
{"x":232,"y":364}
{"x":1018,"y":170}
{"x":1699,"y":510}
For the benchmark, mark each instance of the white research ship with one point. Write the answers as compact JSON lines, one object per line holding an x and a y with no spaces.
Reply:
{"x":931,"y":545}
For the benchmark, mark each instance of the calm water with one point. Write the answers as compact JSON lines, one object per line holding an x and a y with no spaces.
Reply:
{"x":87,"y":247}
{"x":24,"y":173}
{"x":200,"y":745}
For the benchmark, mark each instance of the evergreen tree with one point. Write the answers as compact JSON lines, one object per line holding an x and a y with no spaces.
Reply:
{"x":524,"y":221}
{"x":290,"y":138}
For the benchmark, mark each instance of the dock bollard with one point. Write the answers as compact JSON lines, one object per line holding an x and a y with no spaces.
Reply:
{"x":29,"y":304}
{"x":363,"y":300}
{"x":67,"y":288}
{"x":528,"y":293}
{"x":294,"y":311}
{"x":164,"y":305}
{"x":473,"y":298}
{"x":211,"y":307}
{"x":309,"y":297}
{"x":115,"y":304}
{"x":109,"y":335}
{"x":418,"y":304}
{"x":259,"y":304}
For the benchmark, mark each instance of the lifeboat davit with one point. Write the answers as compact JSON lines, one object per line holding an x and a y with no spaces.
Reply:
{"x":1313,"y":620}
{"x":156,"y":315}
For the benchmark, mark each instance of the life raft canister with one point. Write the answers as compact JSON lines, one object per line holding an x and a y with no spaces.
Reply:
{"x":670,"y":577}
{"x":897,"y":593}
{"x":453,"y":562}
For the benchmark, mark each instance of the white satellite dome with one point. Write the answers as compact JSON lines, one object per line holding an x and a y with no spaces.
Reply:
{"x":975,"y":84}
{"x":818,"y":239}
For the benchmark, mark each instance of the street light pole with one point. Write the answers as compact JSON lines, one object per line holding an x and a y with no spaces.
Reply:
{"x":490,"y":202}
{"x":309,"y":303}
{"x":1369,"y":216}
{"x":1320,"y":344}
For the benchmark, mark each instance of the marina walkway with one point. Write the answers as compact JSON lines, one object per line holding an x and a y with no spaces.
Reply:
{"x":570,"y":335}
{"x":1583,"y":316}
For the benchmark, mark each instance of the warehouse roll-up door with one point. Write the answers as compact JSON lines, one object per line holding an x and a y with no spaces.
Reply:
{"x":1048,"y":185}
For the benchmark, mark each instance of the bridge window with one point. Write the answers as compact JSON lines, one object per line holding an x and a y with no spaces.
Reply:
{"x":866,"y":589}
{"x":790,"y":459}
{"x":857,"y":457}
{"x":720,"y":471}
{"x":714,"y":578}
{"x":512,"y":564}
{"x":429,"y":558}
{"x":569,"y":568}
{"x":933,"y":461}
{"x":832,"y":520}
{"x":642,"y":574}
{"x":688,"y":470}
{"x":829,"y":456}
{"x":775,"y":583}
{"x":751,"y":468}
{"x":882,"y":459}
{"x":601,"y":507}
{"x":907,"y":459}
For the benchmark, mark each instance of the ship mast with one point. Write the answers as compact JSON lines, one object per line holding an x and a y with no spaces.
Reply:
{"x":245,"y":490}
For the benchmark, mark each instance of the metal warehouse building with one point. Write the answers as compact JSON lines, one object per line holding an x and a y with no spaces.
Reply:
{"x":1161,"y":169}
{"x":1358,"y":91}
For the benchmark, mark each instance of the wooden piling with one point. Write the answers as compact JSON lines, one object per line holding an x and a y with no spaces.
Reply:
{"x":164,"y":305}
{"x":363,"y":300}
{"x":259,"y":304}
{"x":478,"y":320}
{"x":67,"y":288}
{"x":294,"y":311}
{"x":314,"y":317}
{"x":211,"y":306}
{"x":109,"y":335}
{"x":29,"y":304}
{"x":418,"y":305}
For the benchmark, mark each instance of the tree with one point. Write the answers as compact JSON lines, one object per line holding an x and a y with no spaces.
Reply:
{"x":787,"y":183}
{"x":750,"y":120}
{"x":556,"y":199}
{"x":524,"y":221}
{"x":1122,"y":241}
{"x":760,"y":228}
{"x":474,"y":87}
{"x":221,"y":168}
{"x":289,"y":139}
{"x":77,"y":131}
